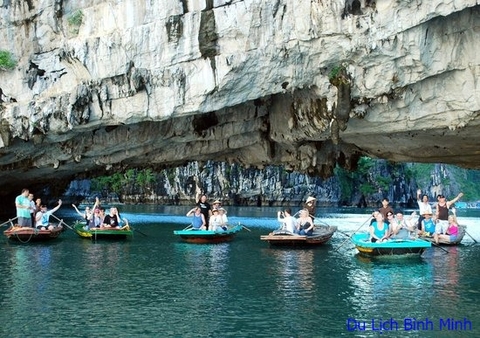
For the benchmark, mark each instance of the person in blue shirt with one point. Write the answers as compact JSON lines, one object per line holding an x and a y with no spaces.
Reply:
{"x":198,"y":222}
{"x":428,"y":225}
{"x":379,"y":229}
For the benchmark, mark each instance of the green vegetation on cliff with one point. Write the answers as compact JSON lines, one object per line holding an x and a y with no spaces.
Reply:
{"x":7,"y":62}
{"x":371,"y":181}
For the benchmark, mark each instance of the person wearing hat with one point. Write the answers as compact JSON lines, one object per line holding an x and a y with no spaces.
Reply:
{"x":223,"y":215}
{"x":428,"y":225}
{"x":310,"y":205}
{"x":423,"y":207}
{"x":216,"y":222}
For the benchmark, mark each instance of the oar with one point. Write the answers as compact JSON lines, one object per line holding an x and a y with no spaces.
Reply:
{"x":61,"y":221}
{"x":9,"y":221}
{"x":361,"y":226}
{"x":243,"y":226}
{"x":140,"y":232}
{"x":439,"y":246}
{"x":471,"y":236}
{"x":343,"y":233}
{"x":188,"y":227}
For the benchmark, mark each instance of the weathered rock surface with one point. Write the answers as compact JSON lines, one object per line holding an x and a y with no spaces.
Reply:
{"x":103,"y":85}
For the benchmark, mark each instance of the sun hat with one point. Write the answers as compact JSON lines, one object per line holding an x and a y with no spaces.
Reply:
{"x":216,"y":202}
{"x":310,"y":199}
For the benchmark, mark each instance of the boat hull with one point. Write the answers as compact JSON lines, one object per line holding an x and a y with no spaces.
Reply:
{"x":25,"y":235}
{"x":395,"y":247}
{"x":320,"y":236}
{"x":206,"y":236}
{"x":102,"y":233}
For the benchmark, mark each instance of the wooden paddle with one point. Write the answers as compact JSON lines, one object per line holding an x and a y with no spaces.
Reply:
{"x":439,"y":246}
{"x":471,"y":236}
{"x":61,"y":221}
{"x":9,"y":221}
{"x":243,"y":226}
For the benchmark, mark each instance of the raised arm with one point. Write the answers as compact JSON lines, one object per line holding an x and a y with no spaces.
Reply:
{"x":76,"y":209}
{"x":97,"y":203}
{"x":449,"y":203}
{"x":57,"y":207}
{"x":191,"y":212}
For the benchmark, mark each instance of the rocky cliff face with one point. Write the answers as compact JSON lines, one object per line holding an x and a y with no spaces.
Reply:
{"x":104,"y":85}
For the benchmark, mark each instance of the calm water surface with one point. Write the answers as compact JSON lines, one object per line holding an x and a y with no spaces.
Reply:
{"x":154,"y":285}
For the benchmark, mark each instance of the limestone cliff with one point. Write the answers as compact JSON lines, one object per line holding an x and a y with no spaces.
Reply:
{"x":102,"y":85}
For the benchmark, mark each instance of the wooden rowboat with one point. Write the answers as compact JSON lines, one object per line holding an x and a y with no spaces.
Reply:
{"x":321,"y":235}
{"x":27,"y":234}
{"x":389,"y":247}
{"x":102,"y":233}
{"x":208,"y":236}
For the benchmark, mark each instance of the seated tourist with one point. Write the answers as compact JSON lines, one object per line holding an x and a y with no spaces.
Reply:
{"x":198,"y":222}
{"x":452,"y":231}
{"x":216,"y":204}
{"x":400,"y":227}
{"x":216,"y":222}
{"x":42,"y":218}
{"x":374,"y":216}
{"x":379,"y":230}
{"x":305,"y":224}
{"x":428,"y":225}
{"x":96,"y":220}
{"x":112,"y":220}
{"x":223,"y":215}
{"x":286,"y":219}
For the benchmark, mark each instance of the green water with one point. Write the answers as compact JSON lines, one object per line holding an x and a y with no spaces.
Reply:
{"x":155,"y":285}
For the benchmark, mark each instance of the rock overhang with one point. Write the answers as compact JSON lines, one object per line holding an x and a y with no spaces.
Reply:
{"x":247,"y":82}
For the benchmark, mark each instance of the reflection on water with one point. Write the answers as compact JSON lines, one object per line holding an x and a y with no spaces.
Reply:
{"x":157,"y":285}
{"x":293,"y":270}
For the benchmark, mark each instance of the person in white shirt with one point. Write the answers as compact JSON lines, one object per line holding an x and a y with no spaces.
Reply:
{"x":215,"y":221}
{"x":288,"y":222}
{"x":223,"y":215}
{"x":423,"y":206}
{"x":43,"y":216}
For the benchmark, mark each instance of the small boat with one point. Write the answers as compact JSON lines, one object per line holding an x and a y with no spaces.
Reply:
{"x":321,"y":235}
{"x":208,"y":236}
{"x":389,"y":247}
{"x":102,"y":233}
{"x":461,"y":233}
{"x":28,"y":234}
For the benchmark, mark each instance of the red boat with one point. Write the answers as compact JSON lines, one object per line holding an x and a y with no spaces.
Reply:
{"x":27,"y":234}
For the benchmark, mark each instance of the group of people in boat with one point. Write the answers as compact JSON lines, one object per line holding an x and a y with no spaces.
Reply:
{"x":304,"y":224}
{"x":96,"y":218}
{"x":208,"y":217}
{"x":34,"y":214}
{"x":441,"y":226}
